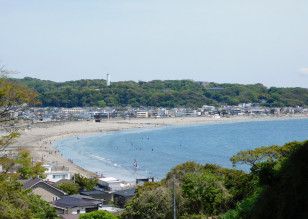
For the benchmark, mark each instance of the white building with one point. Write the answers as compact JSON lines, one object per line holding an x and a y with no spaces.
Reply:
{"x":110,"y":183}
{"x":54,"y":174}
{"x":142,"y":114}
{"x":108,"y":79}
{"x":72,"y":110}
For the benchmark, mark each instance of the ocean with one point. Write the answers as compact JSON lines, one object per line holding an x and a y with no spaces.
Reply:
{"x":156,"y":151}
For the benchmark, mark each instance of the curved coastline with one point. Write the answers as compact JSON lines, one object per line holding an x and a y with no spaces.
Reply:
{"x":40,"y":137}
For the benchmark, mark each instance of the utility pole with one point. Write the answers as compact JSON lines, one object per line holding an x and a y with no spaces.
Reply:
{"x":174,"y":205}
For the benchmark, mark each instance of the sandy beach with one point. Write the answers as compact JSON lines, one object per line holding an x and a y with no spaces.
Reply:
{"x":38,"y":138}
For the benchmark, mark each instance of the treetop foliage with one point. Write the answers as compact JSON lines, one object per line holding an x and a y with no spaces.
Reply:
{"x":14,"y":97}
{"x":85,"y":183}
{"x":69,"y":187}
{"x":98,"y":215}
{"x":270,"y":154}
{"x":200,"y":189}
{"x":282,"y":191}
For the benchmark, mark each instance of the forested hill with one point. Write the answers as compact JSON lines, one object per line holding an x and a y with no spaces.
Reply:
{"x":170,"y":93}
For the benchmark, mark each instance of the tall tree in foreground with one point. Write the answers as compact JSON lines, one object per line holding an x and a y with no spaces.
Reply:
{"x":14,"y":98}
{"x":16,"y":202}
{"x":282,"y":184}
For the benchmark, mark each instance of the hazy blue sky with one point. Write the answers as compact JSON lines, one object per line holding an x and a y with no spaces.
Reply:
{"x":224,"y":41}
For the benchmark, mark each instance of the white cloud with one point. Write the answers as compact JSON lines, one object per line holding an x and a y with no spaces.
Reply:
{"x":303,"y":71}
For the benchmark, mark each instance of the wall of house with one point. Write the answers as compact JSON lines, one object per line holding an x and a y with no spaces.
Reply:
{"x":82,"y":210}
{"x":56,"y":176}
{"x":46,"y":192}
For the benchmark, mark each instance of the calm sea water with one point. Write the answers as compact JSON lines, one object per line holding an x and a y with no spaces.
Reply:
{"x":157,"y":150}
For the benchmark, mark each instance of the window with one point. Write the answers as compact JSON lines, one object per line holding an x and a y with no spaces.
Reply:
{"x":60,"y":176}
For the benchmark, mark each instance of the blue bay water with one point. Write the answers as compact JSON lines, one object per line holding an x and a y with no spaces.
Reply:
{"x":158,"y":150}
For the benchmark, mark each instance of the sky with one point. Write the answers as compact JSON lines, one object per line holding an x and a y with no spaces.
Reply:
{"x":223,"y":41}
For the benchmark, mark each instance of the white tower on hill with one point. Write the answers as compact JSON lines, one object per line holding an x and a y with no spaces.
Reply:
{"x":108,"y":79}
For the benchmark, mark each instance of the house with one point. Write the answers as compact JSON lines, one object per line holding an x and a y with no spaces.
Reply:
{"x":56,"y":173}
{"x":45,"y":190}
{"x":76,"y":204}
{"x":123,"y":196}
{"x":140,"y":182}
{"x":109,"y":184}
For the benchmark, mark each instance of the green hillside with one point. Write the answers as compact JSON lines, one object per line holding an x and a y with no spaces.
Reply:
{"x":170,"y":93}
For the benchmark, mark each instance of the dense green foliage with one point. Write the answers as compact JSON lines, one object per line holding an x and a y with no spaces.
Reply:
{"x":98,"y":215}
{"x":85,"y":183}
{"x":282,"y":191}
{"x":14,"y":201}
{"x":275,"y":188}
{"x":22,"y":162}
{"x":170,"y":93}
{"x":69,"y":187}
{"x":200,"y":189}
{"x":256,"y":158}
{"x":18,"y":203}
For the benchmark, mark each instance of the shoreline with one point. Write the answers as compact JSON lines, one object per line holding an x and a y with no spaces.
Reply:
{"x":39,"y":139}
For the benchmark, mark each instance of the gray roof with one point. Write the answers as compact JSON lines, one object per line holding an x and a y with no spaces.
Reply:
{"x":126,"y":192}
{"x":93,"y":192}
{"x":84,"y":197}
{"x":73,"y":202}
{"x":32,"y":182}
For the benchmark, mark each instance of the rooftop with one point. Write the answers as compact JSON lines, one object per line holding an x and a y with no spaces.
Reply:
{"x":73,"y":202}
{"x":126,"y":192}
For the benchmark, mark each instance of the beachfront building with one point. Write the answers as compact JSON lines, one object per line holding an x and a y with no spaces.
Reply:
{"x":56,"y":173}
{"x":76,"y":110}
{"x":109,"y":184}
{"x":142,"y":114}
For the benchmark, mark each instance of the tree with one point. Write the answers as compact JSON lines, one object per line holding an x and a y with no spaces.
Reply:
{"x":180,"y":170}
{"x":40,"y":208}
{"x":16,"y":202}
{"x":200,"y":189}
{"x":69,"y":187}
{"x":205,"y":193}
{"x":282,"y":191}
{"x":256,"y":157}
{"x":13,"y":98}
{"x":85,"y":183}
{"x":26,"y":168}
{"x":151,"y":201}
{"x":238,"y":183}
{"x":98,"y":215}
